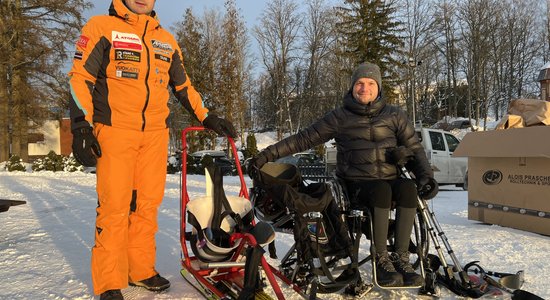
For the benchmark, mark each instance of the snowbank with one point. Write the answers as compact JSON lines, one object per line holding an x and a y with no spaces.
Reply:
{"x":45,"y":244}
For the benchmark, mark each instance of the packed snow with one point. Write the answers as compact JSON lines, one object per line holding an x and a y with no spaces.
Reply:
{"x":45,"y":244}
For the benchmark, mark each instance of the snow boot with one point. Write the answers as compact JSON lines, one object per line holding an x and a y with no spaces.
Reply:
{"x":156,"y":283}
{"x":386,"y":275}
{"x":401,"y":262}
{"x":111,"y":295}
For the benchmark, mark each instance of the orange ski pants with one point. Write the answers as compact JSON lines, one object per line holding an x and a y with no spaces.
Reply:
{"x":131,"y":175}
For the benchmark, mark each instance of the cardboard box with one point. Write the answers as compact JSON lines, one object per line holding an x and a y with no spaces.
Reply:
{"x":532,"y":111}
{"x":509,"y":177}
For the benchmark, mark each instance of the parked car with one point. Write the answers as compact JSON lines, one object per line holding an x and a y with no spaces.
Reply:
{"x":456,"y":124}
{"x":240,"y":155}
{"x":295,"y":160}
{"x":441,"y":125}
{"x":459,"y":124}
{"x":301,"y":158}
{"x":226,"y":165}
{"x":439,"y":146}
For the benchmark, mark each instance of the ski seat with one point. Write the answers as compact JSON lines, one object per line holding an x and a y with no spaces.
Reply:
{"x":203,"y":210}
{"x":225,"y":241}
{"x":324,"y":247}
{"x":214,"y":244}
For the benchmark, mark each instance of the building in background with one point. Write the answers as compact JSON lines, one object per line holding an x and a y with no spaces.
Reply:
{"x":52,"y":135}
{"x":544,"y":79}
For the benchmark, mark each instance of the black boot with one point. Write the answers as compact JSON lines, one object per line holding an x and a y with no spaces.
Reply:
{"x":386,"y":275}
{"x":156,"y":283}
{"x":111,"y":295}
{"x":401,"y":262}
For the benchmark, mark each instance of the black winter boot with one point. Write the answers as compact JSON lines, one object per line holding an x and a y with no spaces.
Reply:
{"x":403,"y":266}
{"x":156,"y":283}
{"x":111,"y":295}
{"x":386,"y":275}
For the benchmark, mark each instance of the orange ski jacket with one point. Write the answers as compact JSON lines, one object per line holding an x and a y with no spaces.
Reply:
{"x":122,"y":68}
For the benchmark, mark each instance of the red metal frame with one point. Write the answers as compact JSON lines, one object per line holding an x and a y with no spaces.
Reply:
{"x":187,"y":259}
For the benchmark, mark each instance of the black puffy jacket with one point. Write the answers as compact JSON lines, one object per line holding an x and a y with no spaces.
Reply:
{"x":365,"y":136}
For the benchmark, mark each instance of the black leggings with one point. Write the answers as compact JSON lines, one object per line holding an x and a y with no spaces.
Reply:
{"x":377,"y":196}
{"x":380,"y":193}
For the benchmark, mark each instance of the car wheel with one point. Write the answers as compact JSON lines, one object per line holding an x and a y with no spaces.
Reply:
{"x":465,"y":185}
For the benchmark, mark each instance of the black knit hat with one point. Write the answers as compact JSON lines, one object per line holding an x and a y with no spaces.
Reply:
{"x":367,"y":70}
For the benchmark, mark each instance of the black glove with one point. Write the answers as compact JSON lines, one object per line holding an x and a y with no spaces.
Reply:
{"x":427,"y":188}
{"x":256,"y":163}
{"x":401,"y":155}
{"x":85,"y":147}
{"x":220,"y":126}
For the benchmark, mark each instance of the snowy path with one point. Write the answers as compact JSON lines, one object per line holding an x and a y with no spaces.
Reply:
{"x":45,"y":244}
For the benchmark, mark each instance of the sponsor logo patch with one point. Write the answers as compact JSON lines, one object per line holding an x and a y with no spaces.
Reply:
{"x":124,"y":74}
{"x":162,"y":46}
{"x":162,"y":57}
{"x":126,"y":41}
{"x":83,"y":41}
{"x":127,"y":72}
{"x":78,"y":55}
{"x":127,"y":55}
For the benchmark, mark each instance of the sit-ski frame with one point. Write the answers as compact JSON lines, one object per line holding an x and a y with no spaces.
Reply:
{"x":232,"y":270}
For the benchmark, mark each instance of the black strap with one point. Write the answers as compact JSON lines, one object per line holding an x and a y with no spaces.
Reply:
{"x":251,"y":275}
{"x":236,"y":217}
{"x":356,"y":242}
{"x":482,"y":271}
{"x":222,"y":208}
{"x":272,"y":250}
{"x":217,"y":204}
{"x":346,"y":277}
{"x":191,"y":219}
{"x":320,"y":256}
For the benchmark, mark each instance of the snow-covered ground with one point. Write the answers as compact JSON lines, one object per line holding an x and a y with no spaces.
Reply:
{"x":45,"y":244}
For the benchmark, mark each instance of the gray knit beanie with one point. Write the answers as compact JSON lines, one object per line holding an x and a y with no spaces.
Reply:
{"x":367,"y":70}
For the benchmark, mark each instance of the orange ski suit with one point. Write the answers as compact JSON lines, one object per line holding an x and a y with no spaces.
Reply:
{"x":122,"y":68}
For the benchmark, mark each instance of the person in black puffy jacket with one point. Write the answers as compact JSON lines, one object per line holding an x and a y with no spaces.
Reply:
{"x":367,"y":130}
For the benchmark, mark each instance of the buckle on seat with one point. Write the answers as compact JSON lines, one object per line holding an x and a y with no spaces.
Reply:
{"x":313,"y":215}
{"x":355,"y":213}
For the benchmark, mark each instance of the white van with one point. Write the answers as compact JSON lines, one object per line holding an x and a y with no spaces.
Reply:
{"x":439,"y":146}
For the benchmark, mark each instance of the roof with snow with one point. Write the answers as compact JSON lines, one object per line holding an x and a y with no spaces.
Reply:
{"x":544,"y":73}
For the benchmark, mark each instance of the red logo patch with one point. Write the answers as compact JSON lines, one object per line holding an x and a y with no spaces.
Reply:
{"x":125,"y":45}
{"x":83,"y":41}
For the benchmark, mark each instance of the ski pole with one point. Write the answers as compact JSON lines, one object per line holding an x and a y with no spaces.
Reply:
{"x":430,"y":218}
{"x":429,"y":221}
{"x":463,"y":275}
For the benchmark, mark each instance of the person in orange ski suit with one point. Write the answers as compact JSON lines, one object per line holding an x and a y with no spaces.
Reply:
{"x":123,"y":65}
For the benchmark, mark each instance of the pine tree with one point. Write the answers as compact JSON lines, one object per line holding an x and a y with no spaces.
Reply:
{"x":190,"y":37}
{"x":369,"y":31}
{"x":233,"y":65}
{"x":199,"y":40}
{"x":35,"y":37}
{"x":251,"y":146}
{"x":191,"y":41}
